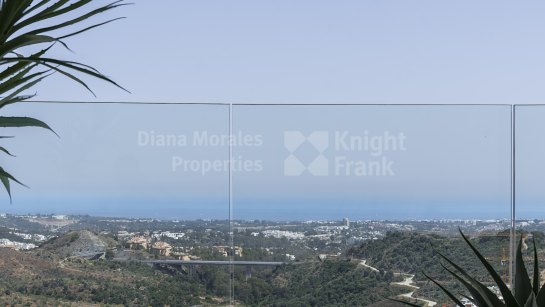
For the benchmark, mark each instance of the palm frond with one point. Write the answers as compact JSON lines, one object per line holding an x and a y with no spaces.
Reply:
{"x":40,"y":25}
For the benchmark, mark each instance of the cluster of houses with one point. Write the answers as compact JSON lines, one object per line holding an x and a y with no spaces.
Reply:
{"x":155,"y":246}
{"x":467,"y":303}
{"x":226,"y":250}
{"x":16,"y":245}
{"x":160,"y":248}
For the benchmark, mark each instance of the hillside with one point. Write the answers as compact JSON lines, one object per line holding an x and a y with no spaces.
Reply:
{"x":387,"y":303}
{"x":82,"y":243}
{"x":42,"y":277}
{"x":52,"y":274}
{"x":341,"y":282}
{"x":329,"y":283}
{"x":414,"y":253}
{"x":409,"y":252}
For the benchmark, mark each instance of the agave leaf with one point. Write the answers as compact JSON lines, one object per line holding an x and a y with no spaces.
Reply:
{"x":531,"y":301}
{"x":5,"y":182}
{"x":469,"y":298}
{"x":404,"y":302}
{"x":523,"y":287}
{"x":505,"y":292}
{"x":2,"y":149}
{"x":3,"y":173}
{"x":541,"y":297}
{"x":479,"y":298}
{"x":447,"y":292}
{"x":492,"y":298}
{"x":537,"y":281}
{"x":18,"y":122}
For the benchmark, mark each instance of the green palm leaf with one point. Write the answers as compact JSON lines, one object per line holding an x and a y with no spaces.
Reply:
{"x":18,"y":122}
{"x":40,"y":25}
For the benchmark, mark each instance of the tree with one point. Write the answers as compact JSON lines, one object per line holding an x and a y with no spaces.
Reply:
{"x":29,"y":29}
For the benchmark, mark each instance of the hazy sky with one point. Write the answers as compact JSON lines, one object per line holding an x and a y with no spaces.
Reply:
{"x":317,"y":52}
{"x":457,"y":160}
{"x":170,"y":161}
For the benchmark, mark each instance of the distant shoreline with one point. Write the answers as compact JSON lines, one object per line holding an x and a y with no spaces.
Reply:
{"x":60,"y":216}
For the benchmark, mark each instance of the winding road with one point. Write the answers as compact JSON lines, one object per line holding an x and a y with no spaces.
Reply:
{"x":408,"y":282}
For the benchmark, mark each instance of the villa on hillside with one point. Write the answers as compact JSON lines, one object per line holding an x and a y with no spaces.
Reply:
{"x":161,"y":248}
{"x":226,"y":250}
{"x":138,"y":242}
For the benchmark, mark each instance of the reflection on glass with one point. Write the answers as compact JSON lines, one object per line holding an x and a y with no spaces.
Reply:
{"x":143,"y":186}
{"x":530,"y":172}
{"x":331,"y":205}
{"x":358,"y":197}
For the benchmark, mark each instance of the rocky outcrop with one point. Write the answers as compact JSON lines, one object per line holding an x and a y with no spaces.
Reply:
{"x":81,"y":243}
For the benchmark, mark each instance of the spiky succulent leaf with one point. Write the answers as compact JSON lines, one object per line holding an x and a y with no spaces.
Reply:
{"x":491,"y":297}
{"x":541,"y":297}
{"x":2,"y":149}
{"x":523,"y":286}
{"x":447,"y":292}
{"x":536,"y":280}
{"x":531,"y":301}
{"x":508,"y":297}
{"x":404,"y":302}
{"x":479,"y":298}
{"x":3,"y":173}
{"x":5,"y":182}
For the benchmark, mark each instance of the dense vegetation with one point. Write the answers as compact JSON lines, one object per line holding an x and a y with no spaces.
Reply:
{"x":104,"y":282}
{"x":45,"y":276}
{"x":328,"y":283}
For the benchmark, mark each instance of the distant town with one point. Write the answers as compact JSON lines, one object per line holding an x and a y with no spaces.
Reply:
{"x":272,"y":259}
{"x":179,"y":238}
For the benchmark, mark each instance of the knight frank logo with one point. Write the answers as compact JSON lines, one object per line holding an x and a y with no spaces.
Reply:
{"x":360,"y":154}
{"x":293,"y":166}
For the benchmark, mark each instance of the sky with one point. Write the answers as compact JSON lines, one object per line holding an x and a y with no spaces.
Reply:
{"x":316,"y":52}
{"x":109,"y":159}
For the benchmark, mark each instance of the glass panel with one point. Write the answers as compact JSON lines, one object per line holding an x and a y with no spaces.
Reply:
{"x":530,"y":173}
{"x":352,"y":200}
{"x":130,"y":182}
{"x":530,"y":167}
